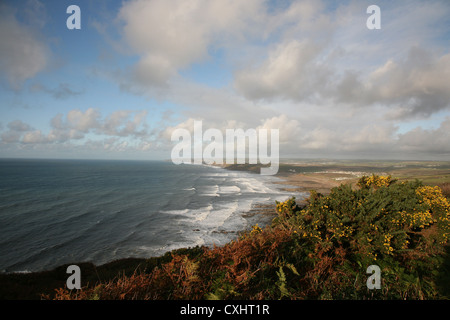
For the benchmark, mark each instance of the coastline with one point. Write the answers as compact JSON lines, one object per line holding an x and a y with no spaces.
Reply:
{"x":300,"y":181}
{"x":300,"y":177}
{"x":322,"y":175}
{"x":36,"y":284}
{"x":305,"y":183}
{"x":220,"y":227}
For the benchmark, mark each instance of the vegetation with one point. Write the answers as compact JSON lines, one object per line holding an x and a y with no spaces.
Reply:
{"x":318,"y":251}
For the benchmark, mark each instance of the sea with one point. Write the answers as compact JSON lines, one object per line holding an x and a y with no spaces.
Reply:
{"x":55,"y":212}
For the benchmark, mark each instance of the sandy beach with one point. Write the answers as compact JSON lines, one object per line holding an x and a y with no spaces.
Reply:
{"x":305,"y":180}
{"x":308,"y":182}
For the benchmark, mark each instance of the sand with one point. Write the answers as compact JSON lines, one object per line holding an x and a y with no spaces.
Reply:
{"x":307,"y":182}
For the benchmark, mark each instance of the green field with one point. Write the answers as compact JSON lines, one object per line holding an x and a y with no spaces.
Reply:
{"x":433,"y":171}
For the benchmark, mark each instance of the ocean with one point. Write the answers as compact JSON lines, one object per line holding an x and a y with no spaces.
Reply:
{"x":54,"y":212}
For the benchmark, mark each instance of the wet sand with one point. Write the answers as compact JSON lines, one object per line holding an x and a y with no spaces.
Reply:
{"x":307,"y":182}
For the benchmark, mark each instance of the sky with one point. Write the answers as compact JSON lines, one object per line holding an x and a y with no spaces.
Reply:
{"x":137,"y":70}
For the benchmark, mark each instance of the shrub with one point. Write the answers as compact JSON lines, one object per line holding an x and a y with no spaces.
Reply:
{"x":402,"y":228}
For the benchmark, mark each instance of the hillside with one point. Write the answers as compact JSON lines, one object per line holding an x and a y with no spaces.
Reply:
{"x":318,"y":251}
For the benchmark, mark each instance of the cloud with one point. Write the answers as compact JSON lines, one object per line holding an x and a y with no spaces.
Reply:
{"x":291,"y":71}
{"x":308,"y":68}
{"x":77,"y":124}
{"x":122,"y":123}
{"x":81,"y":121}
{"x":15,"y":131}
{"x":418,"y":85}
{"x":23,"y":133}
{"x":19,"y":126}
{"x":427,"y":141}
{"x":415,"y":86}
{"x":63,"y":91}
{"x":169,"y":35}
{"x":289,"y":129}
{"x":332,"y":60}
{"x":23,"y":54}
{"x":34,"y":137}
{"x":319,"y":138}
{"x":35,"y":13}
{"x":301,"y":51}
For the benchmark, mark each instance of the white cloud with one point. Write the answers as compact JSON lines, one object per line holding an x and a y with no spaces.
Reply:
{"x":120,"y":124}
{"x":169,"y":35}
{"x":415,"y":86}
{"x":308,"y":68}
{"x":291,"y":71}
{"x":350,"y":66}
{"x":15,"y":131}
{"x":319,"y":138}
{"x":83,"y":121}
{"x":34,"y":137}
{"x":77,"y":124}
{"x":419,"y":84}
{"x":22,"y":52}
{"x":427,"y":141}
{"x":289,"y":129}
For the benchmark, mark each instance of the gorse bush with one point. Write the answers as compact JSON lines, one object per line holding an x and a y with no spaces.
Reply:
{"x":318,"y":251}
{"x":402,"y":228}
{"x":375,"y":181}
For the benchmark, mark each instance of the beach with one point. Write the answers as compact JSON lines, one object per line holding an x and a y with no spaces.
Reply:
{"x":306,"y":182}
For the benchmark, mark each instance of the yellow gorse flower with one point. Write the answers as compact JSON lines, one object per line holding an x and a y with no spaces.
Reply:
{"x":283,"y":206}
{"x":433,"y":197}
{"x":387,"y":243}
{"x":438,"y":205}
{"x":256,"y":229}
{"x":375,"y":181}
